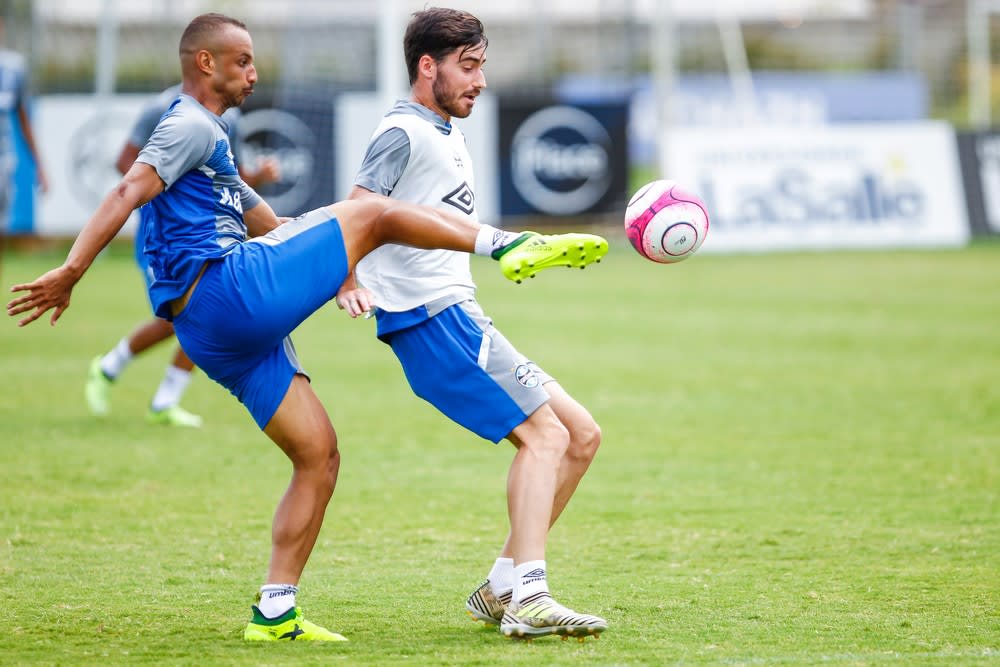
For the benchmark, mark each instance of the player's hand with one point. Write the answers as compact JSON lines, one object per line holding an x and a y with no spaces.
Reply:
{"x":356,"y":301}
{"x":268,"y":171}
{"x":49,"y":291}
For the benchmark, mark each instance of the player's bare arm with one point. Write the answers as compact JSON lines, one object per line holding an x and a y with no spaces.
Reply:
{"x":51,"y":291}
{"x":261,"y":219}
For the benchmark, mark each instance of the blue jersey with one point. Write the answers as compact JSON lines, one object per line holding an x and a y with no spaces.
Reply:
{"x":143,"y":128}
{"x":151,"y":114}
{"x":199,"y":215}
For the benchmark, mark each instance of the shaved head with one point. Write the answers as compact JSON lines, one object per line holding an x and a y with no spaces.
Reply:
{"x":217,"y":61}
{"x":204,"y":31}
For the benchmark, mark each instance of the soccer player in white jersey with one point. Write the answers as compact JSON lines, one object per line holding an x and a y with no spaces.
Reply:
{"x":13,"y":105}
{"x":451,"y":353}
{"x":236,"y":281}
{"x":105,"y":369}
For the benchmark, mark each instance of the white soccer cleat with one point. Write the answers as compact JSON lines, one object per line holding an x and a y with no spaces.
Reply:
{"x":539,"y":615}
{"x":484,"y":606}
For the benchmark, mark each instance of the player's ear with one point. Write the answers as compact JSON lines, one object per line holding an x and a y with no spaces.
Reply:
{"x":205,"y":61}
{"x":427,"y":66}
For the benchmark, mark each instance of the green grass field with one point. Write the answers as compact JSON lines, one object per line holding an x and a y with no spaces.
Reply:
{"x":801,"y":465}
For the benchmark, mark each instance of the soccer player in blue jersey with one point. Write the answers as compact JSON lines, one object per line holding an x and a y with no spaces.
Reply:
{"x":235,"y":281}
{"x":449,"y":349}
{"x":13,"y":105}
{"x":104,"y":370}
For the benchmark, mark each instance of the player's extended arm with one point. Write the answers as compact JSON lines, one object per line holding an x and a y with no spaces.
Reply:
{"x":52,"y":290}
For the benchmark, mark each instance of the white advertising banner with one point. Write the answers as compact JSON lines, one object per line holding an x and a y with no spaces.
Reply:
{"x":79,"y":138}
{"x":846,"y":186}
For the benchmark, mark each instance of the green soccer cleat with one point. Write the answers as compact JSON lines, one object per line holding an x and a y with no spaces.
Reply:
{"x":540,"y":615}
{"x":97,"y":389}
{"x":532,"y":252}
{"x":484,"y":606}
{"x":175,"y":415}
{"x":289,"y":626}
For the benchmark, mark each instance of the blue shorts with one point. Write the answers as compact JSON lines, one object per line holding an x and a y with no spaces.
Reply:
{"x":235,"y":327}
{"x":461,"y":364}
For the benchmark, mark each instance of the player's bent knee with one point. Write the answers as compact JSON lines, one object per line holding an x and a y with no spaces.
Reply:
{"x":584,"y":441}
{"x":327,"y":476}
{"x":552,"y":441}
{"x":321,"y":456}
{"x":543,"y":434}
{"x":333,"y":465}
{"x":319,"y":473}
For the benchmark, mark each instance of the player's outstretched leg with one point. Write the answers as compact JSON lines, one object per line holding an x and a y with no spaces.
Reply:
{"x":373,"y":221}
{"x":530,"y":253}
{"x":484,"y":606}
{"x":539,"y":615}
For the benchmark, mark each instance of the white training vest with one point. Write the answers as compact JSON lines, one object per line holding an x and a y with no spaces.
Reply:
{"x":438,"y":174}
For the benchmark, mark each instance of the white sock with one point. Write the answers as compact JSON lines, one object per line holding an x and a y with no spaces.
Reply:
{"x":276,"y":599}
{"x":529,"y":579}
{"x":490,"y":238}
{"x":502,"y":576}
{"x":169,"y":393}
{"x":115,"y":361}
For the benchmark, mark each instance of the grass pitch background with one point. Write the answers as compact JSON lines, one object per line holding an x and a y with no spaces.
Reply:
{"x":801,"y":465}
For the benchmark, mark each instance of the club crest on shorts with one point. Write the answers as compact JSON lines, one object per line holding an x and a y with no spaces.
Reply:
{"x":524,"y":375}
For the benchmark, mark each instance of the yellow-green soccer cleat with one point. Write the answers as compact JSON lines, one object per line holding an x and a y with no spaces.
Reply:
{"x":532,"y":252}
{"x":175,"y":415}
{"x":484,"y":606}
{"x":290,"y":626}
{"x":97,"y":388}
{"x":539,"y":615}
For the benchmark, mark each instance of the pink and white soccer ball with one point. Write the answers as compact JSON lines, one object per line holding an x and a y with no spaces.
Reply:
{"x":665,"y":222}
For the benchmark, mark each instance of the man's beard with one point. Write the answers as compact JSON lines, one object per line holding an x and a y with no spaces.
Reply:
{"x":449,"y":106}
{"x":234,"y":100}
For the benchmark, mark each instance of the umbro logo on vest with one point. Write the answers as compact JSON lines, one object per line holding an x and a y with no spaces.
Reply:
{"x":461,"y":198}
